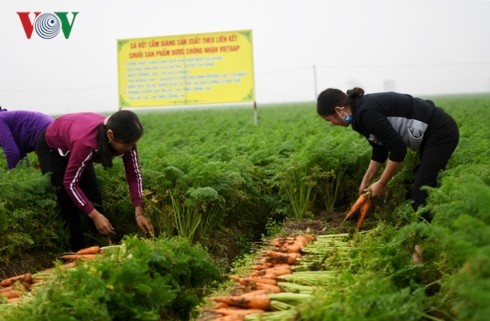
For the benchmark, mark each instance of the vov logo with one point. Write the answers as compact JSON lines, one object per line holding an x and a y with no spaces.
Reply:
{"x":47,"y":25}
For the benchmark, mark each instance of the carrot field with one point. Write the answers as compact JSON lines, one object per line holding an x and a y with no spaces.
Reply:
{"x":225,"y":195}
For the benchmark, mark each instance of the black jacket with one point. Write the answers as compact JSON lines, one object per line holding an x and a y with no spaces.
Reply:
{"x":391,"y":122}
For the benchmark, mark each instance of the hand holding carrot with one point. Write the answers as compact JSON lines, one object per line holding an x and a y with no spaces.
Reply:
{"x":377,"y":189}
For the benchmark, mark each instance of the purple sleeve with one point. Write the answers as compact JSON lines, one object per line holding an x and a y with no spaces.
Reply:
{"x":7,"y":141}
{"x":133,"y":176}
{"x":80,"y":155}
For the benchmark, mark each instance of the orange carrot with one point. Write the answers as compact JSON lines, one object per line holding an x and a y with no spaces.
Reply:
{"x":260,"y":280}
{"x":290,"y":248}
{"x":279,"y":254}
{"x":304,"y":239}
{"x":68,"y":265}
{"x":279,"y":241}
{"x":89,"y":250}
{"x":238,"y":311}
{"x":6,"y":289}
{"x":220,"y":305}
{"x":283,"y":259}
{"x":251,"y":280}
{"x":231,"y":317}
{"x":10,"y":294}
{"x":73,"y":257}
{"x":273,"y":272}
{"x":27,"y":277}
{"x":357,"y":205}
{"x":363,"y":213}
{"x":250,"y":300}
{"x":269,"y":288}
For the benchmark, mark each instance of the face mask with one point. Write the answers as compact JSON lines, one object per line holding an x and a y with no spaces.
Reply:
{"x":347,"y":119}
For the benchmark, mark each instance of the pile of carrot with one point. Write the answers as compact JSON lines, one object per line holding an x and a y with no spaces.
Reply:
{"x":11,"y":288}
{"x":361,"y":205}
{"x":14,"y":287}
{"x":276,"y":260}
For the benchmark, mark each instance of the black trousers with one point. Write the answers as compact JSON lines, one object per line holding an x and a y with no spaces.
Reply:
{"x":439,"y":144}
{"x":51,"y":162}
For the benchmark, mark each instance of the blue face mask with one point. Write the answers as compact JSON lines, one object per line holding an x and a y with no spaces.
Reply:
{"x":347,"y":119}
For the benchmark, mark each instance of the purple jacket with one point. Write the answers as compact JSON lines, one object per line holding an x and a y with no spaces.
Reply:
{"x":75,"y":136}
{"x":19,"y":131}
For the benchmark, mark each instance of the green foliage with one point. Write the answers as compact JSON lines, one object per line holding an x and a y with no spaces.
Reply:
{"x":198,"y":214}
{"x":28,"y":213}
{"x":162,"y":279}
{"x":297,"y":188}
{"x":368,"y":297}
{"x":230,"y":183}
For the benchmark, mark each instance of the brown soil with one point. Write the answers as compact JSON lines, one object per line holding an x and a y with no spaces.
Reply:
{"x":323,"y":223}
{"x":28,"y":263}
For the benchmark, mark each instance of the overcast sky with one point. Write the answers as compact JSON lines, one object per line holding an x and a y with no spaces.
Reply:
{"x":421,"y":47}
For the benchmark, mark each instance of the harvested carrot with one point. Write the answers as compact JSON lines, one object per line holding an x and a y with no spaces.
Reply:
{"x":68,"y":265}
{"x":278,"y":254}
{"x":219,"y":305}
{"x":250,"y":300}
{"x":304,"y":239}
{"x":10,"y":294}
{"x":266,"y":266}
{"x":290,"y":248}
{"x":89,"y":250}
{"x":272,"y":272}
{"x":363,"y":212}
{"x":259,"y":280}
{"x":230,"y":317}
{"x":283,"y":259}
{"x":251,"y":280}
{"x":74,"y":257}
{"x":7,"y":289}
{"x":238,"y":311}
{"x":27,"y":277}
{"x":279,"y":241}
{"x":269,"y":288}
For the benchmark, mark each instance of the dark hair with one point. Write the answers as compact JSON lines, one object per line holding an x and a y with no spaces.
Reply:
{"x":127,"y":129}
{"x":332,"y":97}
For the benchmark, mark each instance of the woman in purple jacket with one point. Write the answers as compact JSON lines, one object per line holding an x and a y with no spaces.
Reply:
{"x":69,"y":147}
{"x":19,"y":131}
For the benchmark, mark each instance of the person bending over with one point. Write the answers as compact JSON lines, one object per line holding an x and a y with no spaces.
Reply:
{"x":69,"y":147}
{"x":393,"y":122}
{"x":19,"y":131}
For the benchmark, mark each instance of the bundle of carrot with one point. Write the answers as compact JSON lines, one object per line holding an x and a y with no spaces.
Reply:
{"x":282,"y":279}
{"x":361,"y":205}
{"x":259,"y":291}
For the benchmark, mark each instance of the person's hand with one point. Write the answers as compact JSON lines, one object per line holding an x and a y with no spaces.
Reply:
{"x":143,"y":222}
{"x":363,"y":188}
{"x":377,"y":189}
{"x":101,"y":222}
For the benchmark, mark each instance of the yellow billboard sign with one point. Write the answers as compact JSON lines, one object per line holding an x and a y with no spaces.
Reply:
{"x":188,"y":69}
